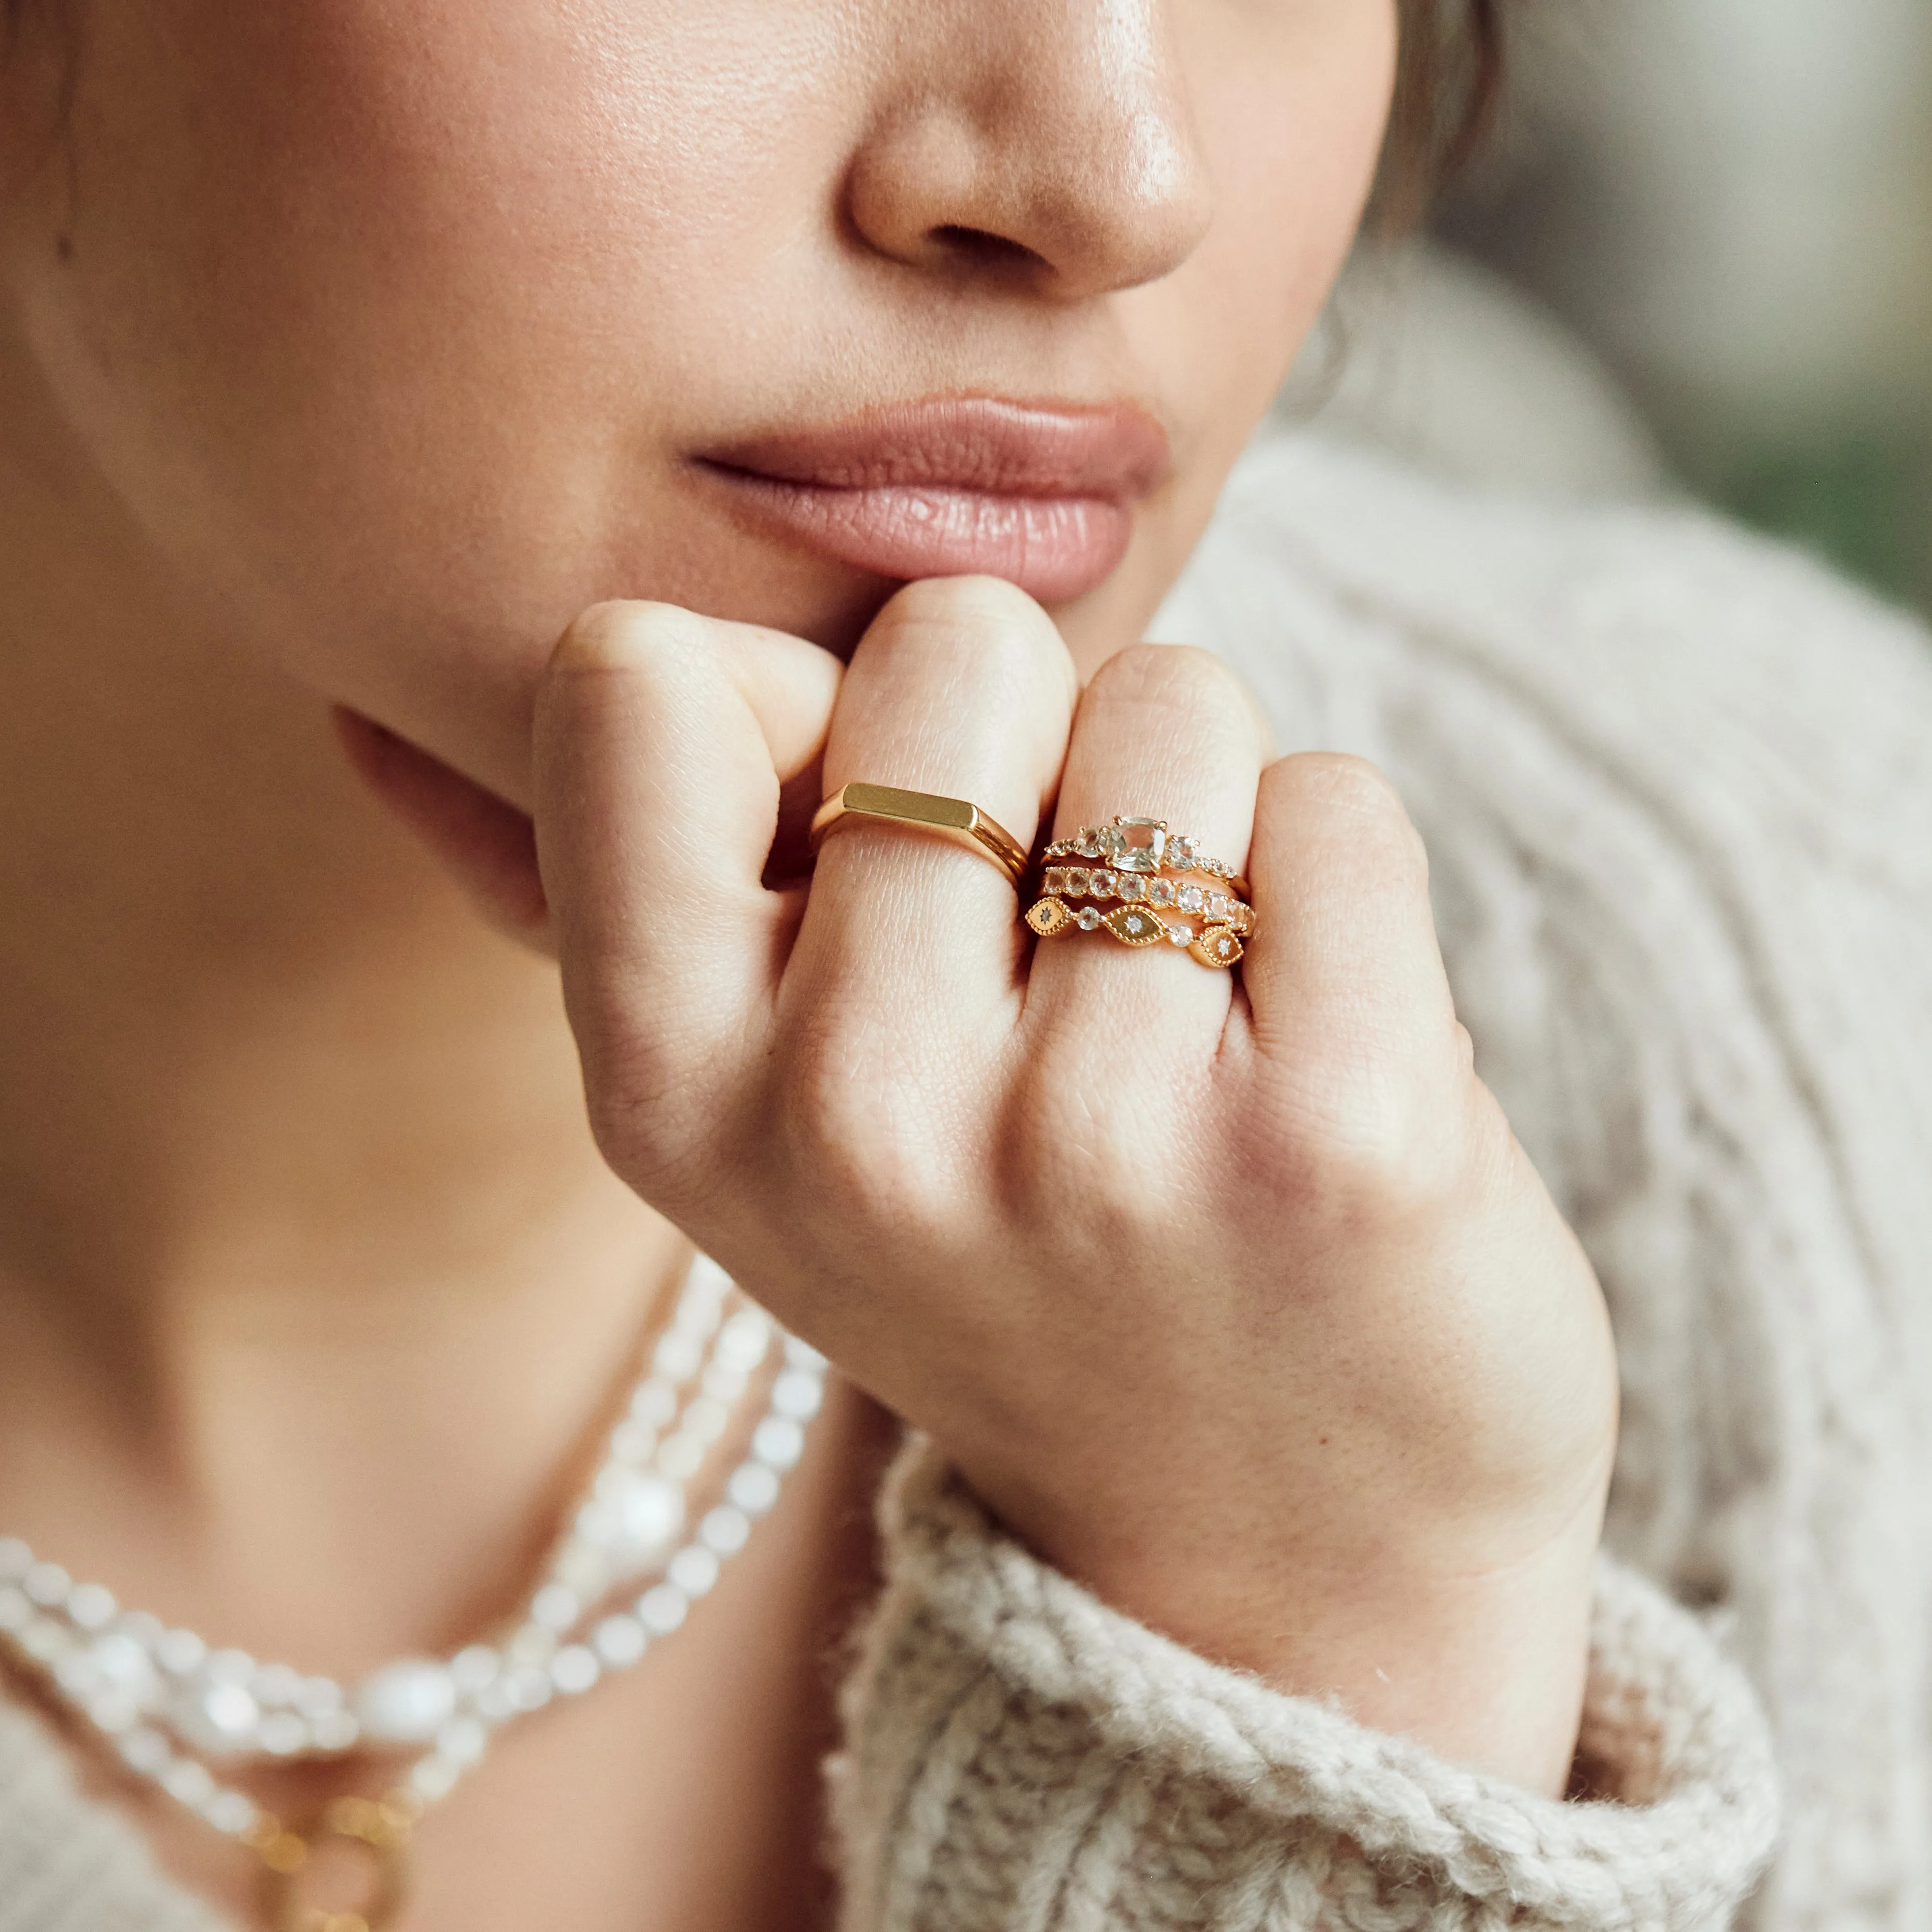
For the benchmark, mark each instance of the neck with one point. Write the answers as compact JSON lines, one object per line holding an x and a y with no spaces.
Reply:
{"x":311,"y":1282}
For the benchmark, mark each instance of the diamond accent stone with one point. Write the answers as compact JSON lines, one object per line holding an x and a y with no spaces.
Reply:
{"x":1054,"y":880}
{"x":1217,"y":907}
{"x":1104,"y":885}
{"x":1160,"y":891}
{"x":1190,"y":898}
{"x":1077,"y":876}
{"x":1132,"y":926}
{"x":1088,"y":844}
{"x":1132,"y":889}
{"x":1181,"y":935}
{"x":1180,"y":854}
{"x":1089,"y":918}
{"x":1216,"y":947}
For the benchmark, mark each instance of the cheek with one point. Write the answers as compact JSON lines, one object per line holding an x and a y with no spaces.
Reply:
{"x":1292,"y":142}
{"x":351,"y":281}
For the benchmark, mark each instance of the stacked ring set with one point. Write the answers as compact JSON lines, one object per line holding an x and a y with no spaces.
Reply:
{"x":1159,"y":881}
{"x":1148,"y":872}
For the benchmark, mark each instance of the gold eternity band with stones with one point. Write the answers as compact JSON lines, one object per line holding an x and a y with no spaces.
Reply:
{"x":955,"y":818}
{"x":1218,"y":944}
{"x":1145,"y":846}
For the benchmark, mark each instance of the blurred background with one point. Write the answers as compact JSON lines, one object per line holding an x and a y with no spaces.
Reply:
{"x":1731,"y":202}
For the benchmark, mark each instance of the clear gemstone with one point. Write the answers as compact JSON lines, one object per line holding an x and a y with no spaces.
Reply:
{"x":1054,"y":880}
{"x":1180,"y":935}
{"x":1076,"y":881}
{"x":1217,"y":905}
{"x":406,"y":1702}
{"x":1190,"y":898}
{"x":1104,"y":885}
{"x":1132,"y":889}
{"x":1139,"y":844}
{"x":1160,"y":891}
{"x":1088,"y":844}
{"x":1088,"y":920}
{"x":1180,"y":854}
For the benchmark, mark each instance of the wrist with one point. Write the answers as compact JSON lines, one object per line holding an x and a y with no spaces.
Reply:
{"x":1485,"y":1667}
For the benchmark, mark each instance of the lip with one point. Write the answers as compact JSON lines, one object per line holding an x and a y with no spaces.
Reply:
{"x":1042,"y":494}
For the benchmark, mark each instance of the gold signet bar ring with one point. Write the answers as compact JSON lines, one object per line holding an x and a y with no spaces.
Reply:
{"x":956,"y":818}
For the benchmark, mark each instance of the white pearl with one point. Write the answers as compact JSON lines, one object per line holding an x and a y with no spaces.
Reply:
{"x":620,"y":1641}
{"x":405,"y":1702}
{"x":650,"y":1514}
{"x":755,"y":1488}
{"x":724,"y":1530}
{"x":218,"y":1718}
{"x":694,"y":1571}
{"x":574,"y":1669}
{"x":92,"y":1607}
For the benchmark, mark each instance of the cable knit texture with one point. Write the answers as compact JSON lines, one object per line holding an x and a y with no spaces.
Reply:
{"x":1676,"y":787}
{"x":1022,"y":1756}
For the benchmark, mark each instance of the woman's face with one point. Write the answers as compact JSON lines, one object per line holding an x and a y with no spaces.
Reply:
{"x":404,"y":329}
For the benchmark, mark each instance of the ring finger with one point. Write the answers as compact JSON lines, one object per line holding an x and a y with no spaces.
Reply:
{"x":1167,"y":733}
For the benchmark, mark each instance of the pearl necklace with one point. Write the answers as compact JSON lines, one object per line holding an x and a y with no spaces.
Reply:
{"x":165,"y":1701}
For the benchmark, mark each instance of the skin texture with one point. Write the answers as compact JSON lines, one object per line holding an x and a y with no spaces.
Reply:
{"x":350,"y":353}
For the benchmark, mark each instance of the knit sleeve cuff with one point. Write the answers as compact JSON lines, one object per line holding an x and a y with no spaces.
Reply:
{"x":1019,"y":1755}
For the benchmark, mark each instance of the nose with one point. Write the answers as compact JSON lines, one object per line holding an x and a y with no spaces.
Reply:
{"x":1046,"y":143}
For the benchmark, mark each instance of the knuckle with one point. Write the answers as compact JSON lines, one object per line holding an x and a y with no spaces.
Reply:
{"x":1170,"y":677}
{"x":988,"y":629}
{"x":1348,"y":800}
{"x":1356,"y":1137}
{"x":859,"y":1112}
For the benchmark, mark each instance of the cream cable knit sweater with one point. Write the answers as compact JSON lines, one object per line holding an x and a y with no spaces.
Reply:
{"x":1677,"y":788}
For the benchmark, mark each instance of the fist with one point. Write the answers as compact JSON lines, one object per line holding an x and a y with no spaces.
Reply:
{"x":1231,"y":1293}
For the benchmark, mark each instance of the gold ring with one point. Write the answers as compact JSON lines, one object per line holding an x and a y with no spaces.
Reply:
{"x":1219,"y":942}
{"x":1145,"y":846}
{"x":1212,"y":902}
{"x":955,"y":818}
